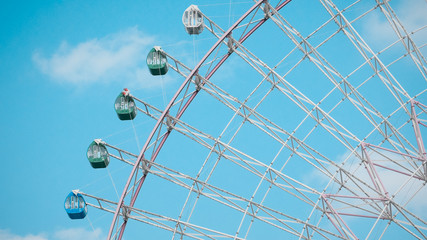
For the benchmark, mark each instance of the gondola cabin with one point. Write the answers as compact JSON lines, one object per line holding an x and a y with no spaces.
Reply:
{"x":97,"y":155}
{"x":157,"y":62}
{"x":75,"y":206}
{"x":193,"y":20}
{"x":125,"y":106}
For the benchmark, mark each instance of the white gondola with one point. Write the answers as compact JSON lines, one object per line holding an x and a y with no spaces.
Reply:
{"x":193,"y":20}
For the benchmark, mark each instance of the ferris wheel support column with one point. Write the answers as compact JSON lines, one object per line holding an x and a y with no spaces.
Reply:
{"x":418,"y":137}
{"x":166,"y":111}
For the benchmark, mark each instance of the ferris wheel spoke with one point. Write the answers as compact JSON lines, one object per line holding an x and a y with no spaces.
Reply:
{"x":156,"y":220}
{"x":216,"y":194}
{"x":367,"y":110}
{"x":293,"y":187}
{"x":313,"y":50}
{"x":187,"y":177}
{"x":411,"y":159}
{"x":336,"y":184}
{"x":213,"y":26}
{"x":357,"y":103}
{"x":261,"y":121}
{"x":250,"y":164}
{"x":298,"y":98}
{"x":398,"y":146}
{"x":401,"y":223}
{"x":259,"y":117}
{"x":389,"y":80}
{"x":308,"y":148}
{"x":393,"y":62}
{"x":402,"y":33}
{"x":387,"y":209}
{"x":404,"y":211}
{"x":416,"y":227}
{"x":379,"y":214}
{"x":202,"y":139}
{"x":178,"y":65}
{"x":400,"y":142}
{"x":408,"y":222}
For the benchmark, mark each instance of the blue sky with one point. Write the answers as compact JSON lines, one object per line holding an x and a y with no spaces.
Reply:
{"x":62,"y":63}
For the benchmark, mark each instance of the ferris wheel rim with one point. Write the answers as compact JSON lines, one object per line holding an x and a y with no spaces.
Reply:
{"x":165,"y":113}
{"x":170,"y":104}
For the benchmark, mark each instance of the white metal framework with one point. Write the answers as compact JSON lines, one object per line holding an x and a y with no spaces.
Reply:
{"x":313,"y":134}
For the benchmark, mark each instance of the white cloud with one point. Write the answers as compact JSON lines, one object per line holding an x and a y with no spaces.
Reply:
{"x":392,"y":181}
{"x":78,"y":234}
{"x":7,"y":235}
{"x":115,"y":57}
{"x":412,"y":15}
{"x":65,"y":234}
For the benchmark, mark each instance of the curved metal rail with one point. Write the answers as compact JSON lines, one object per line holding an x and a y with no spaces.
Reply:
{"x":156,"y":128}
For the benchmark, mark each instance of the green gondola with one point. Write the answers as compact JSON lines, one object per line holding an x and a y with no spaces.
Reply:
{"x":97,"y":154}
{"x":125,"y":106}
{"x":157,"y":62}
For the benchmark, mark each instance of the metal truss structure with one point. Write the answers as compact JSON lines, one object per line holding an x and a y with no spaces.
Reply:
{"x":351,"y":159}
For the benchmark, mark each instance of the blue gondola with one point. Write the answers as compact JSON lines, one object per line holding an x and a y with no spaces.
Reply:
{"x":75,"y":206}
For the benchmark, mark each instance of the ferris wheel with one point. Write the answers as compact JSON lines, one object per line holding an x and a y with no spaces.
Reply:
{"x":289,"y":127}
